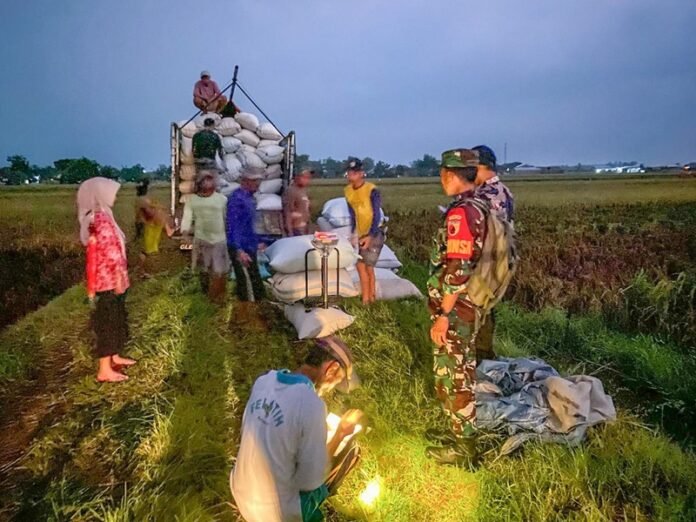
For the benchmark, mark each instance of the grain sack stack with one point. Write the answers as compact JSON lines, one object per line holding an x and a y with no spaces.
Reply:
{"x":245,"y":143}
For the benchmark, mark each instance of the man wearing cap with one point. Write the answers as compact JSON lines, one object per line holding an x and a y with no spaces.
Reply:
{"x":365,"y":207}
{"x":207,"y":145}
{"x":242,"y":240}
{"x":456,"y":250}
{"x":491,"y":189}
{"x":296,"y":204}
{"x":207,"y":96}
{"x":282,"y":467}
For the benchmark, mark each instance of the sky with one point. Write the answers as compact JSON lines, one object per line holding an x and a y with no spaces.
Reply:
{"x":559,"y":81}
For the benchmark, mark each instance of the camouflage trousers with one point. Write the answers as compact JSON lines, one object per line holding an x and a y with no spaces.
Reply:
{"x":455,"y":376}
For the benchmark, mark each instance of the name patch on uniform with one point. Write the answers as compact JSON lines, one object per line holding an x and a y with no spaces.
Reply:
{"x":460,"y":242}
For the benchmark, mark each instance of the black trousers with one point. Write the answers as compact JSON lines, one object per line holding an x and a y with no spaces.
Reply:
{"x":110,"y":323}
{"x":249,"y":283}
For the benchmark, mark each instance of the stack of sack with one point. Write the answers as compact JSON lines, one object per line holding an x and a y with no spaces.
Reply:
{"x":335,"y":217}
{"x":246,"y":143}
{"x":287,"y":260}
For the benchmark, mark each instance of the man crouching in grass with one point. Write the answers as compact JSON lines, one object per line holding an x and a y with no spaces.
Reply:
{"x":283,"y":460}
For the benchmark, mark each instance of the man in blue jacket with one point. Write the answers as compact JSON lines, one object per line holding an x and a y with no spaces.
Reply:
{"x":242,"y":240}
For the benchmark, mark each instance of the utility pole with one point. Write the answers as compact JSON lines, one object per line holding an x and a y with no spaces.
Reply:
{"x":505,"y":153}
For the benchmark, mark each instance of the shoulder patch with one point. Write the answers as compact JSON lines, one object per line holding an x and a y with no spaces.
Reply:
{"x":460,"y":242}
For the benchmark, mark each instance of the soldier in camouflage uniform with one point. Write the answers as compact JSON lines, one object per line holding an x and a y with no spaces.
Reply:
{"x":456,"y":250}
{"x":491,"y":189}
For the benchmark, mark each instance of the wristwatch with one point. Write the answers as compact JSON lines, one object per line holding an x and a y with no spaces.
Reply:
{"x":439,"y":312}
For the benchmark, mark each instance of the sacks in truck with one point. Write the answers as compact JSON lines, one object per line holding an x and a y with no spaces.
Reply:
{"x":271,"y":154}
{"x":266,"y":143}
{"x":287,"y":255}
{"x":274,"y":172}
{"x":248,"y":137}
{"x":250,"y":159}
{"x":228,"y":127}
{"x":271,"y":186}
{"x":291,"y":287}
{"x":317,"y":322}
{"x":267,"y":131}
{"x":268,"y":202}
{"x":187,"y":172}
{"x":247,"y":120}
{"x":200,"y":119}
{"x":189,"y":129}
{"x":187,"y":187}
{"x":230,"y":144}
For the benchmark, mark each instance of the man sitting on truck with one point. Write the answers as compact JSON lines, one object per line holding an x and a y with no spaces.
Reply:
{"x":206,"y":94}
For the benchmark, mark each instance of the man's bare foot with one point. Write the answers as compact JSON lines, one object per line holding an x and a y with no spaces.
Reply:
{"x":111,"y":376}
{"x":121,"y":361}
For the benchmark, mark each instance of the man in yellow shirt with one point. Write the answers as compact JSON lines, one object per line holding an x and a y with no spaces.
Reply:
{"x":365,"y":206}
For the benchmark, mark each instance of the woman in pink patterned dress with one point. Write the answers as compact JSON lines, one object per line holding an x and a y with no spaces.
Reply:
{"x":107,"y":274}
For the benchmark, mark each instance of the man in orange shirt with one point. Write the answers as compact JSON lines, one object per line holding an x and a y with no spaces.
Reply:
{"x":207,"y":96}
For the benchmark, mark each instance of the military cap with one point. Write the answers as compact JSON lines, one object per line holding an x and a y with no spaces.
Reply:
{"x":460,"y":158}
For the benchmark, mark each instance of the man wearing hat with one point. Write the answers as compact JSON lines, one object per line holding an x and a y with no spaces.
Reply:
{"x":242,"y":240}
{"x":206,"y":94}
{"x":456,"y":250}
{"x":365,"y":207}
{"x":491,"y":189}
{"x":282,"y":467}
{"x":296,"y":204}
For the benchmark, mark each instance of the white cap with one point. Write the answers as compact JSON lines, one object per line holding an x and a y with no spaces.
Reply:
{"x":205,"y":73}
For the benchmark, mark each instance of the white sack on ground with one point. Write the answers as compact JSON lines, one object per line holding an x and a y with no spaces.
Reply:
{"x":186,"y":187}
{"x":388,"y":285}
{"x":230,"y":144}
{"x":187,"y":172}
{"x":247,"y":120}
{"x":287,"y":255}
{"x":250,"y":159}
{"x":266,"y":143}
{"x":271,"y":186}
{"x":200,"y":119}
{"x":248,"y":137}
{"x":268,"y":202}
{"x":274,"y":172}
{"x":291,"y":287}
{"x":267,"y":131}
{"x":387,"y":259}
{"x":271,"y":154}
{"x":189,"y":129}
{"x":317,"y":322}
{"x":228,"y":127}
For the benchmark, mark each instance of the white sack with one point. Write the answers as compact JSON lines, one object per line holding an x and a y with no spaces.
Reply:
{"x":267,"y":131}
{"x":250,"y":159}
{"x":268,"y":202}
{"x":189,"y":129}
{"x":271,"y":154}
{"x":230,"y":144}
{"x":317,"y":322}
{"x":396,"y":288}
{"x":248,"y":137}
{"x":287,"y":255}
{"x":186,"y":147}
{"x":186,"y":187}
{"x":387,"y":259}
{"x":247,"y":120}
{"x":187,"y":172}
{"x":228,"y":127}
{"x":324,"y":224}
{"x":200,"y":119}
{"x":336,"y":212}
{"x":273,"y":172}
{"x":291,"y":287}
{"x":266,"y":143}
{"x":248,"y":148}
{"x":272,"y":186}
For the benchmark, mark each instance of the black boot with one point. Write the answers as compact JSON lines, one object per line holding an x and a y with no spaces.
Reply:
{"x":462,"y":452}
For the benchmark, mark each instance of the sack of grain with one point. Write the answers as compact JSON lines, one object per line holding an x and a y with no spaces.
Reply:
{"x":247,"y":120}
{"x":232,"y":165}
{"x":287,"y":255}
{"x":231,"y":144}
{"x":200,"y":119}
{"x":228,"y":127}
{"x":185,"y":147}
{"x":267,"y":131}
{"x":248,"y":148}
{"x":272,"y":154}
{"x":274,"y":172}
{"x":250,"y":159}
{"x":268,"y":202}
{"x":317,"y":322}
{"x":387,"y":259}
{"x":266,"y":143}
{"x":291,"y":287}
{"x":271,"y":186}
{"x":187,"y":130}
{"x":187,"y":172}
{"x":248,"y":137}
{"x":187,"y":187}
{"x":336,"y":212}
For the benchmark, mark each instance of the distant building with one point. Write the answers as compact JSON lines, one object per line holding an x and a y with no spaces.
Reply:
{"x":525,"y":168}
{"x":621,"y":169}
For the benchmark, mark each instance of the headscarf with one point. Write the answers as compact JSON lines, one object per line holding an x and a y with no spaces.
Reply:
{"x":94,"y":195}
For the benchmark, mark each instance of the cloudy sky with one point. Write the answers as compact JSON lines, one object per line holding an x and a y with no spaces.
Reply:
{"x":559,"y":81}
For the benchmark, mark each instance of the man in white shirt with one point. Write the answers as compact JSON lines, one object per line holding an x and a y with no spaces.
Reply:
{"x":283,"y":461}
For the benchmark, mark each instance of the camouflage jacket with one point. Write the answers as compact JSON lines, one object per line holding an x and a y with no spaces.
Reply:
{"x":456,"y":250}
{"x":498,"y":196}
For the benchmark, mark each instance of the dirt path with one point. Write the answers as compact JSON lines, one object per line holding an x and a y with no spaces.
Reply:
{"x":37,"y":401}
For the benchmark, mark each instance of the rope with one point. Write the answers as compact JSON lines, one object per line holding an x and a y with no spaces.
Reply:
{"x":259,"y":109}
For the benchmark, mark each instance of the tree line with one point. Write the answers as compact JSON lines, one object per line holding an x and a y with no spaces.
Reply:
{"x":331,"y":168}
{"x":72,"y":171}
